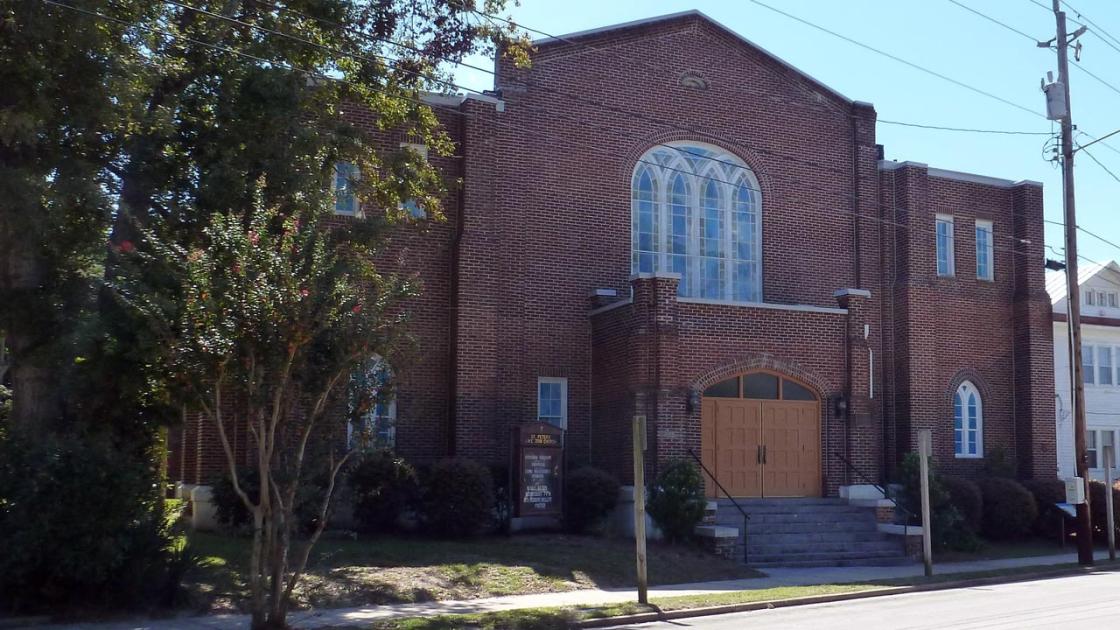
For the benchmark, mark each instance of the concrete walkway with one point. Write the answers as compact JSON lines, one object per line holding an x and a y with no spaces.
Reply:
{"x":589,"y":597}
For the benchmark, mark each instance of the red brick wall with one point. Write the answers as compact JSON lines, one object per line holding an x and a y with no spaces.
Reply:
{"x":543,"y":218}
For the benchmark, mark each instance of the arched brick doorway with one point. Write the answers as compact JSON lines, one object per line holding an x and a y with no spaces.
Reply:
{"x":760,"y":436}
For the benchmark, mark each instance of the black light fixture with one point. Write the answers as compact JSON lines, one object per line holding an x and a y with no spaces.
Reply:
{"x":692,"y":403}
{"x":841,"y":405}
{"x":1055,"y":265}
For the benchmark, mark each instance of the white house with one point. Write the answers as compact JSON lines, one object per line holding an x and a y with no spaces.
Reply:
{"x":1100,"y":327}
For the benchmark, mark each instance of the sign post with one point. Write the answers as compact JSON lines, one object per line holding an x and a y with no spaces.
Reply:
{"x":925,"y":448}
{"x":1108,"y":462}
{"x":640,"y":506}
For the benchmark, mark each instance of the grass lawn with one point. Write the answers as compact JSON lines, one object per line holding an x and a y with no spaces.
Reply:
{"x":385,"y":570}
{"x":557,"y":618}
{"x":994,"y":550}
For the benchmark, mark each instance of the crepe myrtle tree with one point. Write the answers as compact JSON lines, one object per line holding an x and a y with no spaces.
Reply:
{"x":275,"y":313}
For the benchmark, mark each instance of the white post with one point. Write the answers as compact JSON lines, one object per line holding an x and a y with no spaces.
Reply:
{"x":640,"y":506}
{"x":925,"y":447}
{"x":1110,"y":515}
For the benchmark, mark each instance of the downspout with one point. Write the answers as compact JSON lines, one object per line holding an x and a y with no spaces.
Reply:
{"x":857,"y":272}
{"x":453,"y":298}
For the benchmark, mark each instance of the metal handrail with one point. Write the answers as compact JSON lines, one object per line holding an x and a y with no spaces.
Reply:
{"x":746,"y":517}
{"x":886,"y":495}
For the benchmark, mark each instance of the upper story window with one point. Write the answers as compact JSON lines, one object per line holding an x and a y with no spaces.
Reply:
{"x":552,"y":401}
{"x":968,"y":422}
{"x":696,"y":211}
{"x":945,"y":266}
{"x":985,"y":258}
{"x":1105,"y":299}
{"x":1100,"y":364}
{"x":345,"y":201}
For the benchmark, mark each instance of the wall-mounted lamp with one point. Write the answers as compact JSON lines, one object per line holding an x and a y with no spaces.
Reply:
{"x":692,"y":403}
{"x":840,"y":405}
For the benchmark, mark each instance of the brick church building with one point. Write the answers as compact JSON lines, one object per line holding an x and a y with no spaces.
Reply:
{"x":661,"y":218}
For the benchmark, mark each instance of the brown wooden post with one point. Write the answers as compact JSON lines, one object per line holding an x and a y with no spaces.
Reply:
{"x":640,"y":506}
{"x":925,"y":447}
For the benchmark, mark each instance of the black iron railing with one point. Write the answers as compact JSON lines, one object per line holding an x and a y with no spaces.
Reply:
{"x":746,"y":517}
{"x":907,"y":514}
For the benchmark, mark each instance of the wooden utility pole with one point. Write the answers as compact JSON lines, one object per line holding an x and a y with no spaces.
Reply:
{"x":640,"y":506}
{"x":1073,"y":294}
{"x":1110,"y":520}
{"x":925,"y":449}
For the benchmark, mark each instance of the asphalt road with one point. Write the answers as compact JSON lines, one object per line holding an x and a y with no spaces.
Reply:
{"x":1083,"y":601}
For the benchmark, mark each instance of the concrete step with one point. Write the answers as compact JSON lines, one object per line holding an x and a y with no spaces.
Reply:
{"x":861,"y":562}
{"x":773,"y":538}
{"x":805,"y":527}
{"x":826,"y":556}
{"x":793,"y":519}
{"x":861,"y":547}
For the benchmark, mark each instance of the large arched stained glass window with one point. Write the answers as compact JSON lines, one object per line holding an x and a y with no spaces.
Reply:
{"x":696,"y":212}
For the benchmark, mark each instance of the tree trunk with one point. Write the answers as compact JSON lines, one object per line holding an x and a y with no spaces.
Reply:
{"x":28,"y":325}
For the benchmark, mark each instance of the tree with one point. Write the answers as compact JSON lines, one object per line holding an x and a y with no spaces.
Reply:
{"x":278,"y":310}
{"x":167,"y":127}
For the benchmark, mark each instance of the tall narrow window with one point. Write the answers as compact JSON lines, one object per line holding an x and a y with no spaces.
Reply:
{"x":696,"y":212}
{"x":985,"y":259}
{"x":945,"y":245}
{"x":1089,"y":298}
{"x":1108,"y":448}
{"x":345,"y":201}
{"x":409,"y":205}
{"x":552,"y":401}
{"x":646,"y":222}
{"x":680,"y":221}
{"x":968,"y":421}
{"x":711,"y":241}
{"x":1104,"y":357}
{"x":1091,"y":449}
{"x":1087,"y":364}
{"x":1112,"y":299}
{"x":372,"y":406}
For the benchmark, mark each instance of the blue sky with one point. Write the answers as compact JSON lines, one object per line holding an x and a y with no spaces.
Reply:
{"x":945,"y":38}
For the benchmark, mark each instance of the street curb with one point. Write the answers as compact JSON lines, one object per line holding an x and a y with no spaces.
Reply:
{"x":838,"y":597}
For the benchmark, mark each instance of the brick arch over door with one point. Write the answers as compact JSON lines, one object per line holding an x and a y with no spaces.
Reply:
{"x":751,"y":362}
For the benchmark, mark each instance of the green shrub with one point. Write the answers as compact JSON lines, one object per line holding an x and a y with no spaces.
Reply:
{"x":999,"y":463}
{"x":676,"y":500}
{"x":458,"y":498}
{"x":82,"y":526}
{"x":1010,"y":510}
{"x":965,"y":496}
{"x":381,"y":486}
{"x":1046,"y":493}
{"x":589,"y":496}
{"x":230,"y":510}
{"x":1099,"y":512}
{"x":948,"y":528}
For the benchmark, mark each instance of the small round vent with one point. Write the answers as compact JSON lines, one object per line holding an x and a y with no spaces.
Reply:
{"x":693,"y":81}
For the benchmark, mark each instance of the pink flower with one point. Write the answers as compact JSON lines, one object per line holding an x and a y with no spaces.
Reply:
{"x":127,"y":247}
{"x":304,"y":292}
{"x":357,"y":309}
{"x":254,"y":238}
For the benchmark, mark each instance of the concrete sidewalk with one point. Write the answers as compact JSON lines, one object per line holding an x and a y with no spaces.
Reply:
{"x":589,"y":597}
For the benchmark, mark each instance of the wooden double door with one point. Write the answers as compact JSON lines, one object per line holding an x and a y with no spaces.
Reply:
{"x":762,"y":448}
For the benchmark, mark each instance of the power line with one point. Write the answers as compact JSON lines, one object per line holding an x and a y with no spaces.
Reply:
{"x":1097,"y":29}
{"x":1084,"y":231}
{"x":501,"y":122}
{"x":645,"y":118}
{"x":1100,"y":164}
{"x":965,"y":129}
{"x":899,"y":59}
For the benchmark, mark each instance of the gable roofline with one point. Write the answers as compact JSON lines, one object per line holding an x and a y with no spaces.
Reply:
{"x":694,"y":13}
{"x":1056,"y":280}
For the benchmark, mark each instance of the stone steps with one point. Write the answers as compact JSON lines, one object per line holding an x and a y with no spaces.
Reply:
{"x":809,"y":533}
